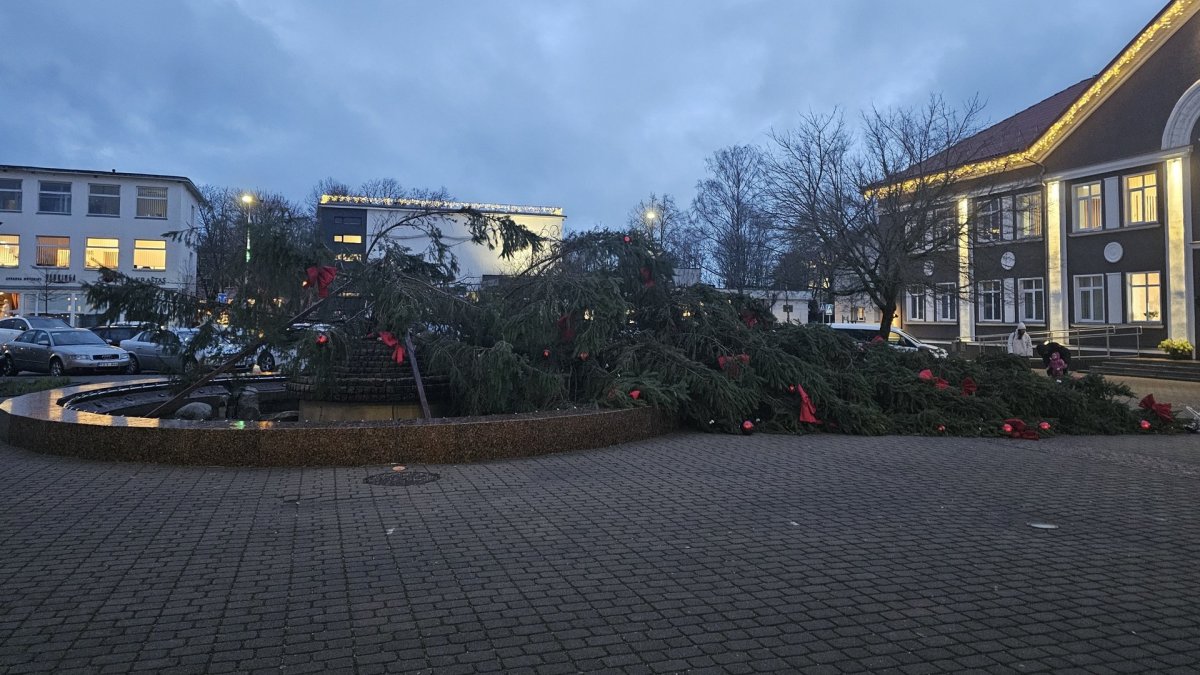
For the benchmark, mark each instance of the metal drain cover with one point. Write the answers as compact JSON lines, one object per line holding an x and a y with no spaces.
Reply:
{"x":397,"y":478}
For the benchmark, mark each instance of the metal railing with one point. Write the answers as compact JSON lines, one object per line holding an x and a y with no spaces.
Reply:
{"x":1076,"y":339}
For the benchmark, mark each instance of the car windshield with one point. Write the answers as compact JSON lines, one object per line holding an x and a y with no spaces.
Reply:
{"x":76,"y":337}
{"x":45,"y":322}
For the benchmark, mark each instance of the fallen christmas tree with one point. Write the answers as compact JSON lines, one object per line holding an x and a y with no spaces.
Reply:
{"x":597,"y":320}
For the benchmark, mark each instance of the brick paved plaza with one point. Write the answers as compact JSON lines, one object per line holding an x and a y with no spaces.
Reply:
{"x":692,"y":552}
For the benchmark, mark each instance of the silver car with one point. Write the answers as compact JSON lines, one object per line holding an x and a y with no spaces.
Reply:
{"x":166,"y":351}
{"x":61,"y":351}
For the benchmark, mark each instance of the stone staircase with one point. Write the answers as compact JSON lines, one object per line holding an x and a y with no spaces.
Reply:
{"x":1158,"y":369}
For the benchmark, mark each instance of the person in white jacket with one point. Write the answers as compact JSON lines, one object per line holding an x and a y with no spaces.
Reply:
{"x":1019,"y":342}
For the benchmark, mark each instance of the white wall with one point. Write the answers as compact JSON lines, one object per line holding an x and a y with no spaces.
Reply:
{"x":30,"y":281}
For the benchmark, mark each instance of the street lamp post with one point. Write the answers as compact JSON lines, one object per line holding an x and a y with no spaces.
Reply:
{"x":248,"y":202}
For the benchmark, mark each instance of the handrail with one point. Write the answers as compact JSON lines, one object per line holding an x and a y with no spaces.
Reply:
{"x":1072,"y":337}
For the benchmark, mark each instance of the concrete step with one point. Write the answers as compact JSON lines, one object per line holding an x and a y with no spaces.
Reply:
{"x":1159,"y":369}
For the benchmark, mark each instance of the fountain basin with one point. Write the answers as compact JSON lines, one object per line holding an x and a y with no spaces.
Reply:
{"x":40,"y":422}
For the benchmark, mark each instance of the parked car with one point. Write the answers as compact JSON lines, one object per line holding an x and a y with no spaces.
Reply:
{"x":61,"y":351}
{"x":114,"y":333}
{"x":11,"y":327}
{"x":166,"y":350}
{"x":897,"y":338}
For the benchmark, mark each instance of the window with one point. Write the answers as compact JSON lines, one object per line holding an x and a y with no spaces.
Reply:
{"x":1033,"y":298}
{"x":104,"y":200}
{"x":991,"y":301}
{"x":989,"y":216}
{"x":916,"y":304}
{"x":1141,"y":198}
{"x":53,"y":252}
{"x":347,"y":239}
{"x":946,"y":301}
{"x":151,"y":202}
{"x":1028,"y":215}
{"x":10,"y":194}
{"x":1089,"y":212}
{"x":1145,"y":297}
{"x":149,"y":254}
{"x":100,"y":253}
{"x":1089,"y":298}
{"x":10,"y":250}
{"x":54,"y":197}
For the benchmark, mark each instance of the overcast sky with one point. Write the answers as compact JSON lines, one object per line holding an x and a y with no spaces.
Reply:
{"x":585,"y":105}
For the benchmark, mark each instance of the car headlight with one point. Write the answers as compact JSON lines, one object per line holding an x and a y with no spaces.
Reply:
{"x":79,"y":357}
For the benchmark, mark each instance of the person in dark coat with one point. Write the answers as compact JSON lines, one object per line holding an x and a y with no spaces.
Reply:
{"x":1047,"y":349}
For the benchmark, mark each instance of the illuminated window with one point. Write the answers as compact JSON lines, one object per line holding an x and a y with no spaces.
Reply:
{"x":149,"y":254}
{"x":991,"y":301}
{"x":104,"y":200}
{"x":1144,"y":297}
{"x":151,"y":202}
{"x":1027,"y":215}
{"x":53,"y":252}
{"x":946,"y":301}
{"x":1089,"y":298}
{"x":347,"y":239}
{"x":1141,"y":199}
{"x":54,"y":197}
{"x":1089,"y":214}
{"x":100,"y":253}
{"x":10,"y":250}
{"x":1033,"y":297}
{"x":10,"y":194}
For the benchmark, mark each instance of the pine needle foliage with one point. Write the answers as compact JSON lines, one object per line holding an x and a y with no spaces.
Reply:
{"x":596,"y":321}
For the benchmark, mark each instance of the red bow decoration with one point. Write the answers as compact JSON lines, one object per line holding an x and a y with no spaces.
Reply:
{"x":969,"y":387}
{"x":1016,"y":428}
{"x":320,"y":277}
{"x":647,"y":277}
{"x":926,"y":375}
{"x":1163,"y":410}
{"x":744,"y":358}
{"x":635,"y":394}
{"x":391,"y":341}
{"x":721,"y":361}
{"x":808,"y":412}
{"x":940,"y":383}
{"x":566,"y":332}
{"x":749,"y":318}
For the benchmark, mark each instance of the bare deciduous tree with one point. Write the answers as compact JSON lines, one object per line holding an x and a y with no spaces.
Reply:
{"x":670,"y":227}
{"x":729,"y":208}
{"x":880,"y":206}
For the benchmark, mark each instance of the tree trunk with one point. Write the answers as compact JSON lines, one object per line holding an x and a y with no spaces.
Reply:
{"x":885,"y":321}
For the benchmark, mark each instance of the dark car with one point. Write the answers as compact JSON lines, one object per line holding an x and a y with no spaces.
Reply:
{"x":62,"y":351}
{"x":114,"y":333}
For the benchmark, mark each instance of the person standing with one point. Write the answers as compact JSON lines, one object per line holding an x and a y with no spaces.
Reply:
{"x":1019,"y":342}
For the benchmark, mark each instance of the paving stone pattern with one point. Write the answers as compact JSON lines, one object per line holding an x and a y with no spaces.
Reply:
{"x":700,"y":553}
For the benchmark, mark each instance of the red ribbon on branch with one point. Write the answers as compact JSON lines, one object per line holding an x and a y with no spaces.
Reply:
{"x":969,"y":387}
{"x":1163,"y":410}
{"x":320,"y":277}
{"x":808,"y":412}
{"x":397,"y":346}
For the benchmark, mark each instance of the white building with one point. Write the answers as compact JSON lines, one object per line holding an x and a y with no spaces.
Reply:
{"x":58,"y":227}
{"x":349,"y":224}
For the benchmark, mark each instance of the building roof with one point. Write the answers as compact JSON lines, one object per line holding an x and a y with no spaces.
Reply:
{"x":1018,"y":132}
{"x":1032,"y":133}
{"x":438,"y":205}
{"x":187,"y":182}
